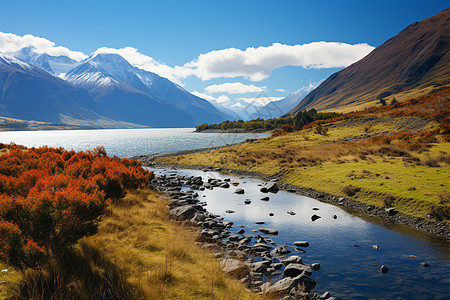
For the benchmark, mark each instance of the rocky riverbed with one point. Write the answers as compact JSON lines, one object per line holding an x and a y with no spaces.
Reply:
{"x":387,"y":214}
{"x":253,"y":258}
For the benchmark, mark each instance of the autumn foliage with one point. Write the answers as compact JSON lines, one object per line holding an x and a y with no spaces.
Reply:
{"x":50,"y":198}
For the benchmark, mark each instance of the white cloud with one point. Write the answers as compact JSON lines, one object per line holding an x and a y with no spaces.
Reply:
{"x":281,"y":90}
{"x":10,"y":42}
{"x":147,"y":63}
{"x":258,"y":63}
{"x":204,"y":96}
{"x":234,"y":88}
{"x":260,"y":101}
{"x":222,"y":99}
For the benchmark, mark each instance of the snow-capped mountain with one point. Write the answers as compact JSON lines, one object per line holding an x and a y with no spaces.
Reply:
{"x":110,"y":80}
{"x":279,"y":108}
{"x":30,"y":93}
{"x":55,"y":65}
{"x":100,"y":71}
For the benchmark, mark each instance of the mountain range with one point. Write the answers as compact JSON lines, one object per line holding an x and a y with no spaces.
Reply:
{"x":101,"y":91}
{"x":414,"y":62}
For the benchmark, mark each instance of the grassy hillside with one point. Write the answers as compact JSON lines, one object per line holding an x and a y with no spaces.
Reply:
{"x":396,"y":155}
{"x":413,"y":63}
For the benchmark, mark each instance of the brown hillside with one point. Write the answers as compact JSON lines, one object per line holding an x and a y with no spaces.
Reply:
{"x":414,"y":62}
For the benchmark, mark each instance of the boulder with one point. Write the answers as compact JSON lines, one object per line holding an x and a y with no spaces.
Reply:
{"x":269,"y":231}
{"x":239,"y":191}
{"x":280,"y":250}
{"x":265,"y":198}
{"x":315,"y":217}
{"x":294,"y":259}
{"x":315,"y":266}
{"x":284,"y":285}
{"x":384,"y":269}
{"x":301,"y":244}
{"x":260,"y":266}
{"x":229,"y":211}
{"x":183,"y":212}
{"x":234,"y":267}
{"x":270,"y":186}
{"x":225,"y":185}
{"x":391,"y":211}
{"x":291,"y":213}
{"x":293,"y":270}
{"x":247,"y":201}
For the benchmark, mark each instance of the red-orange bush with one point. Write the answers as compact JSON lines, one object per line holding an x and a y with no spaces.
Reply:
{"x":50,"y":198}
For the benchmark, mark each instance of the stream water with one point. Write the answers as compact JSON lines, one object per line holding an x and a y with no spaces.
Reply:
{"x":350,"y":248}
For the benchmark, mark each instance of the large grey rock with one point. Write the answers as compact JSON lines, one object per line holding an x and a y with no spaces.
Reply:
{"x":260,"y":266}
{"x":294,"y":259}
{"x":269,"y":231}
{"x":270,"y":186}
{"x":183,"y":212}
{"x":301,"y":244}
{"x":280,"y":250}
{"x":239,"y":191}
{"x":234,"y":267}
{"x":284,"y":285}
{"x":293,"y":270}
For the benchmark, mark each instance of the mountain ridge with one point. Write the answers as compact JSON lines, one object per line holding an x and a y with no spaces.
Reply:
{"x":416,"y":60}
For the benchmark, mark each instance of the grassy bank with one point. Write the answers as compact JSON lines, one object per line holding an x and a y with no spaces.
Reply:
{"x":160,"y":257}
{"x":138,"y":253}
{"x":385,"y":157}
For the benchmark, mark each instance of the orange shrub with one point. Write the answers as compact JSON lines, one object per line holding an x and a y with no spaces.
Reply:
{"x":50,"y":198}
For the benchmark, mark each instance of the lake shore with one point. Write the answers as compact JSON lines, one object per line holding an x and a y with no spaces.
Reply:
{"x":386,"y":214}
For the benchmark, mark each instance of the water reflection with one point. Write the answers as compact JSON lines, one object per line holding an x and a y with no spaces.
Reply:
{"x":349,"y":265}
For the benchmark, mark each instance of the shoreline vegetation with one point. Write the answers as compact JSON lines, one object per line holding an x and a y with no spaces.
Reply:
{"x":84,"y":225}
{"x":390,"y":161}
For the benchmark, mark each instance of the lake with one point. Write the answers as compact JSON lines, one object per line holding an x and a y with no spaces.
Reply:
{"x":126,"y":142}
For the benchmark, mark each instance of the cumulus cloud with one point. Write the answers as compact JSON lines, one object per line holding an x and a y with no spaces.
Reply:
{"x":10,"y":43}
{"x":255,"y":64}
{"x":258,"y":63}
{"x":281,"y":90}
{"x":234,"y":88}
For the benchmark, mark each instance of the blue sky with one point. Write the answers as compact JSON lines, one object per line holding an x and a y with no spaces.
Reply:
{"x":174,"y":33}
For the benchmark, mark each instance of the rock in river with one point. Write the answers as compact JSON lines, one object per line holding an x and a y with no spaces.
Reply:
{"x":384,"y":269}
{"x":270,"y":186}
{"x":315,"y":217}
{"x":301,"y":244}
{"x":293,"y":270}
{"x":268,"y":231}
{"x":239,"y":191}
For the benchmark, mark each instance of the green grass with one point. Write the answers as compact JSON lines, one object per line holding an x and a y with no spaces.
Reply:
{"x":8,"y":277}
{"x":414,"y":181}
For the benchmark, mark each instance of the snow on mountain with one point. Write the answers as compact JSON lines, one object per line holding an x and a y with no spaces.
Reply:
{"x":55,"y":65}
{"x":278,"y":108}
{"x":103,"y":69}
{"x":14,"y":62}
{"x":30,"y":93}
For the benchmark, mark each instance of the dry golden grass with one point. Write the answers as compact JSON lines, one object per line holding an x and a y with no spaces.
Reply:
{"x":160,"y":257}
{"x":416,"y":179}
